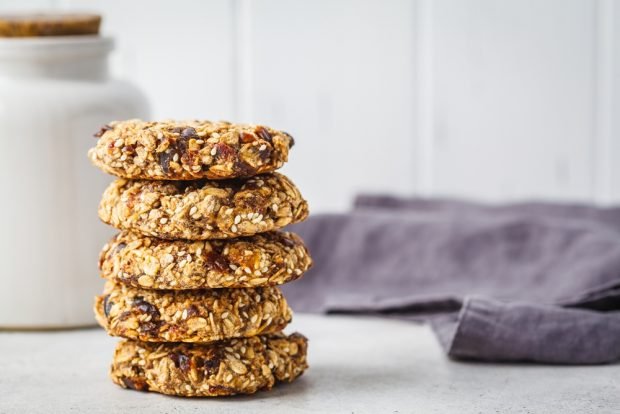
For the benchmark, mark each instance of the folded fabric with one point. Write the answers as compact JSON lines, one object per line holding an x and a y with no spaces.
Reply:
{"x":535,"y":282}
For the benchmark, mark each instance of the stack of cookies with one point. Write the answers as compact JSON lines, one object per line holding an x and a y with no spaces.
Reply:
{"x":192,"y":275}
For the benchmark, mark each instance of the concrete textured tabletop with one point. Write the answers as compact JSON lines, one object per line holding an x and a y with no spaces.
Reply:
{"x":357,"y":365}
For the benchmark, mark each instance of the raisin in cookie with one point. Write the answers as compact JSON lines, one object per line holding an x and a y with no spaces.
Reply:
{"x":188,"y":150}
{"x":237,"y":366}
{"x":192,"y":315}
{"x":203,"y":209}
{"x":265,"y":259}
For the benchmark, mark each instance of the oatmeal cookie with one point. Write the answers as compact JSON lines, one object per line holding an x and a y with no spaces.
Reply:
{"x":48,"y":24}
{"x":189,"y":150}
{"x":237,"y":366}
{"x":266,"y":259}
{"x":203,"y":209}
{"x":192,"y":315}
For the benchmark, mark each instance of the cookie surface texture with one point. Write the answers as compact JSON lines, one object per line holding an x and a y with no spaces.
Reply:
{"x":266,"y":259}
{"x":188,"y":150}
{"x":190,"y":316}
{"x":203,"y":209}
{"x":238,"y":366}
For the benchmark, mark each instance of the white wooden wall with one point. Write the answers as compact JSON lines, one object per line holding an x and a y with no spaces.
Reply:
{"x":498,"y":100}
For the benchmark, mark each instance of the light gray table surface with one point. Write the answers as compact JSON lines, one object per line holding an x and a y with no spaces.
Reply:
{"x":357,"y":365}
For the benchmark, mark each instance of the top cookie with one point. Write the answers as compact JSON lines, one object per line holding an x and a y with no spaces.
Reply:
{"x":188,"y":150}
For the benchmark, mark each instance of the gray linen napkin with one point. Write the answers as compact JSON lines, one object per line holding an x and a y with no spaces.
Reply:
{"x":534,"y":282}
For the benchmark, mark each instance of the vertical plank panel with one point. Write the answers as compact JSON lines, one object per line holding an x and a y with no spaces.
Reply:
{"x":338,"y":75}
{"x":514,"y":86}
{"x":424,"y":76}
{"x":602,"y":104}
{"x":614,"y":102}
{"x":179,"y":52}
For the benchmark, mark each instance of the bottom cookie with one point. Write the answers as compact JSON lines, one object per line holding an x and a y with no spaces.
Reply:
{"x":236,"y":366}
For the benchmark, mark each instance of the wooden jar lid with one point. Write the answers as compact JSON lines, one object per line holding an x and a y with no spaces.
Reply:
{"x":49,"y":24}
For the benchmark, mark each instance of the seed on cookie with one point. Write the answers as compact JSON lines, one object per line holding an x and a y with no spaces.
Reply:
{"x":203,"y":209}
{"x":189,"y":150}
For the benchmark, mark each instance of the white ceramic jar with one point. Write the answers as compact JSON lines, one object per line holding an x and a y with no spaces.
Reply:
{"x":54,"y":95}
